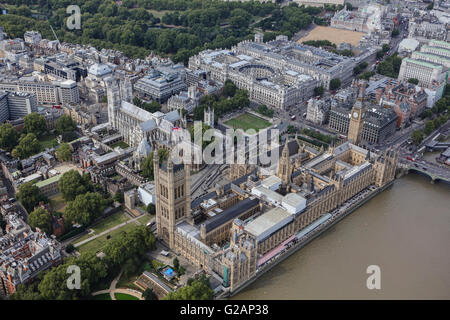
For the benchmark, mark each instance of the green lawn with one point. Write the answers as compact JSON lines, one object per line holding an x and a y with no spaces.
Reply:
{"x":97,"y":244}
{"x":103,"y":296}
{"x":145,"y":218}
{"x":48,"y":141}
{"x":124,"y":296}
{"x":248,"y":121}
{"x":58,"y":204}
{"x":109,"y":222}
{"x":105,"y":224}
{"x":121,"y":144}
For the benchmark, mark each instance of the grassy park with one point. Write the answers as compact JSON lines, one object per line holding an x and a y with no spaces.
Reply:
{"x":57,"y":202}
{"x":98,"y":243}
{"x":248,"y":121}
{"x":124,"y":296}
{"x":48,"y":141}
{"x":120,"y":144}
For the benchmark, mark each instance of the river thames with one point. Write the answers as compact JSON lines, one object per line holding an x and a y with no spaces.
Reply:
{"x":405,"y":231}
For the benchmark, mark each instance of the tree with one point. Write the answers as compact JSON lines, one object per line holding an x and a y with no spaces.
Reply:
{"x":395,"y":32}
{"x":264,"y":110}
{"x":229,"y":88}
{"x":63,"y":152}
{"x":429,"y":127}
{"x":40,"y":218}
{"x":2,"y":223}
{"x":390,"y":66}
{"x":9,"y":137}
{"x":26,"y":292}
{"x":126,"y":245}
{"x":34,"y":123}
{"x":385,"y":48}
{"x":318,"y":91}
{"x":147,"y":164}
{"x":198,"y":289}
{"x":65,"y":124}
{"x":430,"y":6}
{"x":28,"y":145}
{"x":413,"y":81}
{"x":70,"y":248}
{"x":29,"y":196}
{"x":54,"y":283}
{"x":72,"y":184}
{"x":148,"y":294}
{"x":176,"y":263}
{"x":335,"y":84}
{"x":118,"y":196}
{"x":151,"y":209}
{"x":85,"y":208}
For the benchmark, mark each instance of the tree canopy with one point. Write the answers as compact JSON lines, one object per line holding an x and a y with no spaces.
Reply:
{"x":72,"y":183}
{"x":9,"y":137}
{"x":85,"y":208}
{"x":198,"y":289}
{"x":28,"y":145}
{"x":40,"y":218}
{"x":147,"y":163}
{"x":65,"y":124}
{"x":63,"y":152}
{"x":29,"y":196}
{"x":186,"y":28}
{"x":130,"y":244}
{"x":335,"y":84}
{"x":34,"y":123}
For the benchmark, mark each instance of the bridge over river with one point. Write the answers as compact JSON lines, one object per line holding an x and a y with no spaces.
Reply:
{"x":434,"y":171}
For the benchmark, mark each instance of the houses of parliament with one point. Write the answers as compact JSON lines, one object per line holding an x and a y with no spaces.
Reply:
{"x":233,"y":230}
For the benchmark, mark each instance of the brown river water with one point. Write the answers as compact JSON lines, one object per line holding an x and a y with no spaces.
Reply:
{"x":405,"y":231}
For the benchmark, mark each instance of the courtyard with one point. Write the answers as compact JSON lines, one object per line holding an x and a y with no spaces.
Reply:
{"x":247,"y":121}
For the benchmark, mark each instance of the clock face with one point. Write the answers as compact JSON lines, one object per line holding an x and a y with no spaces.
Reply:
{"x":355,"y":115}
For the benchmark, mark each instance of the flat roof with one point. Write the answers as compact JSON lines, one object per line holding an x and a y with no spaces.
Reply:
{"x":268,"y":222}
{"x":423,"y":63}
{"x":44,"y":183}
{"x":293,"y":199}
{"x":270,"y":181}
{"x":230,"y":213}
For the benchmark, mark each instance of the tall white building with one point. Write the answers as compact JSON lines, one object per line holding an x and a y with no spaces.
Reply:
{"x":16,"y":105}
{"x":430,"y":65}
{"x":46,"y":92}
{"x":20,"y":104}
{"x":317,"y":110}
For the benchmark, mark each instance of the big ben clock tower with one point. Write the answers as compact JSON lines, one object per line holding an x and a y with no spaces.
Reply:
{"x":357,"y":118}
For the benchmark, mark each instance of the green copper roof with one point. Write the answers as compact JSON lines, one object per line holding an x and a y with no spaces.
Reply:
{"x":432,"y":56}
{"x":423,"y":63}
{"x":440,"y":42}
{"x":44,"y":183}
{"x":445,"y":52}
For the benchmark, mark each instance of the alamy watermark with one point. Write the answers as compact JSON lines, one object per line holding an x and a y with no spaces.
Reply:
{"x":74,"y":20}
{"x":74,"y":280}
{"x":374,"y":280}
{"x":229,"y":147}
